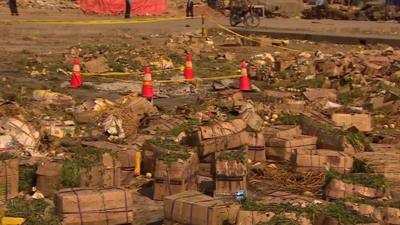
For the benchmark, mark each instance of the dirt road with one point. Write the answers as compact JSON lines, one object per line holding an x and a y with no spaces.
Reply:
{"x":42,"y":38}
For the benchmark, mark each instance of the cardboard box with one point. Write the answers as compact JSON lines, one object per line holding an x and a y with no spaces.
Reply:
{"x":9,"y":179}
{"x":218,"y":137}
{"x":338,"y":189}
{"x":48,"y":179}
{"x":94,"y":207}
{"x":195,"y":208}
{"x":362,"y":122}
{"x":175,"y":177}
{"x":282,"y":131}
{"x":314,"y":124}
{"x":253,"y":217}
{"x":282,"y":149}
{"x":256,"y":146}
{"x":230,"y":178}
{"x":323,"y":159}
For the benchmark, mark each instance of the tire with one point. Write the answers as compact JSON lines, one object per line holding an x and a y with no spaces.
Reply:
{"x":234,"y":20}
{"x":251,"y":20}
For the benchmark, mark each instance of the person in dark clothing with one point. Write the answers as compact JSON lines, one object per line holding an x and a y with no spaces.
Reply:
{"x":189,"y":8}
{"x":13,"y":7}
{"x":127,"y":9}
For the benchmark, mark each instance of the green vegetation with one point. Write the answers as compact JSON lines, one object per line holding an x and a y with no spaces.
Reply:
{"x":360,"y":166}
{"x":187,"y":126}
{"x":374,"y":202}
{"x":350,"y":96}
{"x":175,"y":151}
{"x":312,"y":83}
{"x":338,"y":210}
{"x":365,"y":179}
{"x":356,"y":139}
{"x":167,"y":144}
{"x":7,"y":156}
{"x":27,"y":178}
{"x":116,"y":66}
{"x":83,"y":159}
{"x":232,"y":156}
{"x":288,"y":119}
{"x":280,"y":220}
{"x":36,"y":212}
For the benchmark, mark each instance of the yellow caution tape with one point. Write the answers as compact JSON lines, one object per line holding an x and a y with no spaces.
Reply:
{"x":95,"y":22}
{"x":251,"y":39}
{"x":127,"y":73}
{"x":198,"y":79}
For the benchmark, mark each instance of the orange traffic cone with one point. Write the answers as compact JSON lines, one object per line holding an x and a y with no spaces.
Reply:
{"x":147,"y":88}
{"x":188,"y":72}
{"x":76,"y":79}
{"x":244,"y":80}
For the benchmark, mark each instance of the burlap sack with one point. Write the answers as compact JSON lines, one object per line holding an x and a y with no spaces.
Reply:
{"x":283,"y":149}
{"x":195,"y":208}
{"x":256,"y":146}
{"x":362,"y":122}
{"x":337,"y":189}
{"x":90,"y":207}
{"x":282,"y":131}
{"x":253,"y":217}
{"x":9,"y":178}
{"x":323,"y":159}
{"x":48,"y":179}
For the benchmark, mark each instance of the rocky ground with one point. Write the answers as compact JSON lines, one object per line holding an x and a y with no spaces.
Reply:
{"x":316,"y":140}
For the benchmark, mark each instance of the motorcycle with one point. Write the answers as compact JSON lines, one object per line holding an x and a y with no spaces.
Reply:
{"x":249,"y":17}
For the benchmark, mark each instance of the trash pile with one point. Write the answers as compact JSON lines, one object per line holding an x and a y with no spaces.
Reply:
{"x":368,"y":12}
{"x":317,"y":143}
{"x":52,"y":4}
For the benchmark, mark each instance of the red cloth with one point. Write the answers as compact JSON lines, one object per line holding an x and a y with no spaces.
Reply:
{"x":139,"y":7}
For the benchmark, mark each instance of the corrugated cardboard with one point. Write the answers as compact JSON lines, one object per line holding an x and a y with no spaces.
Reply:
{"x":90,"y":207}
{"x":195,"y":208}
{"x":9,"y":178}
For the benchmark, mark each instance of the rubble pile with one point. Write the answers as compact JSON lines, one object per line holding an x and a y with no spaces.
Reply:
{"x":48,"y":4}
{"x":317,"y":143}
{"x":368,"y":12}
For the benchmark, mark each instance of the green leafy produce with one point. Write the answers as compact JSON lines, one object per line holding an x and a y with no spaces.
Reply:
{"x":288,"y":119}
{"x":338,"y":210}
{"x":232,"y":155}
{"x":280,"y":220}
{"x":356,"y":139}
{"x":7,"y":156}
{"x":350,"y":96}
{"x":365,"y":179}
{"x":27,"y":177}
{"x":36,"y":212}
{"x":187,"y":126}
{"x":83,"y":159}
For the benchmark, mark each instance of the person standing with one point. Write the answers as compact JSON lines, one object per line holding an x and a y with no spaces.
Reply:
{"x":189,"y":8}
{"x":127,"y":9}
{"x":13,"y":7}
{"x":320,"y":7}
